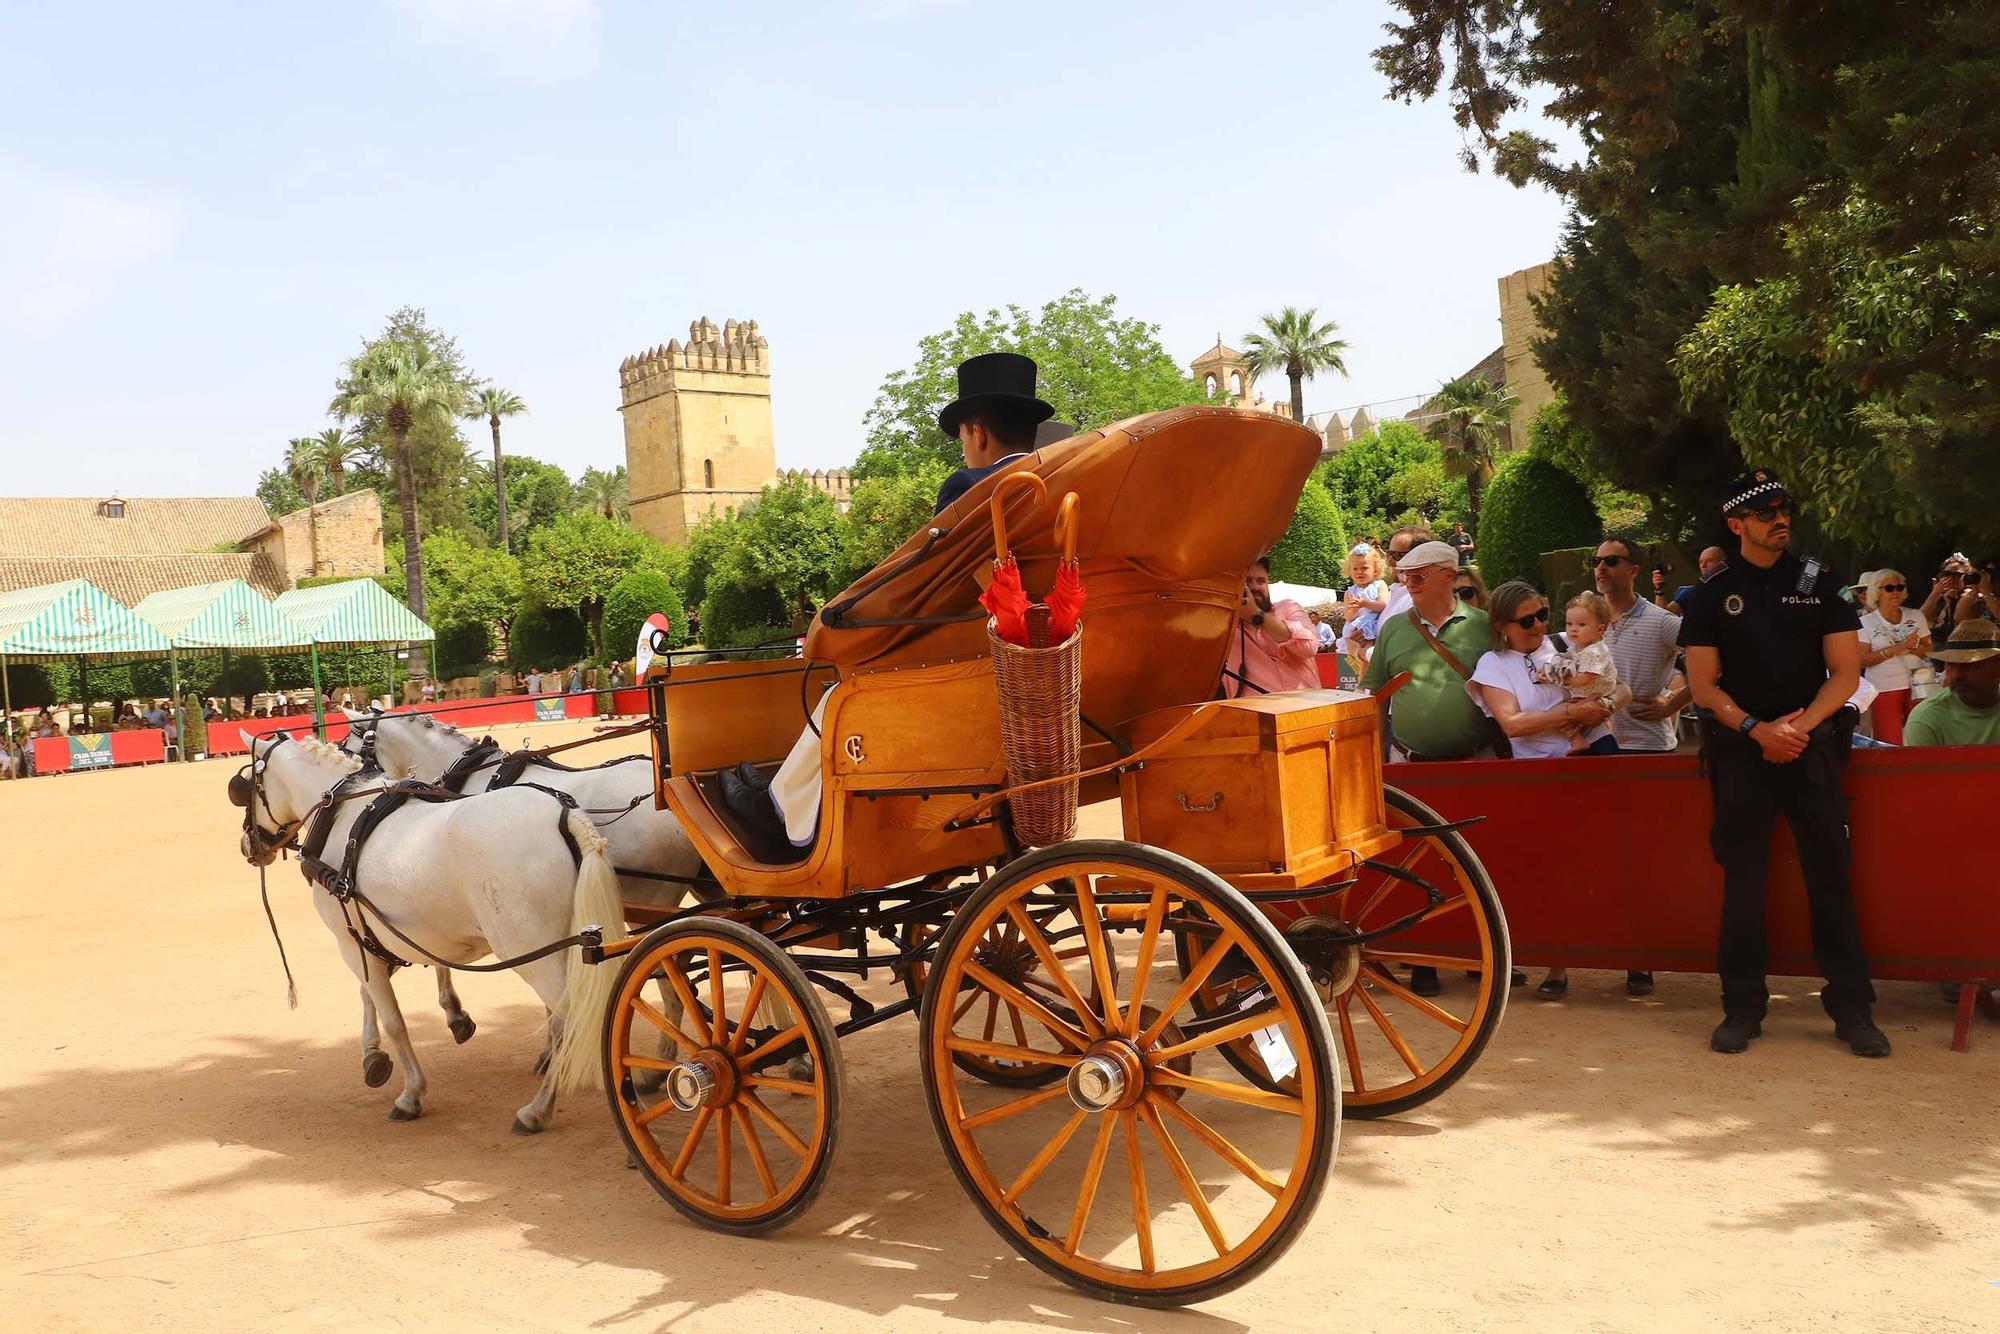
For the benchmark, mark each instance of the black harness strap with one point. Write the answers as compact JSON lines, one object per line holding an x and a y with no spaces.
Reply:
{"x":508,"y":772}
{"x":468,"y":764}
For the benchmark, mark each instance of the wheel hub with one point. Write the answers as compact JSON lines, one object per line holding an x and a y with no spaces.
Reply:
{"x":1110,"y":1075}
{"x":704,"y":1081}
{"x":1333,"y":962}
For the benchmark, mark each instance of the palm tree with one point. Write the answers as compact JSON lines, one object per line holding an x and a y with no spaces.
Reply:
{"x":304,"y":465}
{"x":403,"y":384}
{"x":339,"y":447}
{"x":1468,"y":420}
{"x":605,"y":493}
{"x":1293,"y":341}
{"x":493,"y":404}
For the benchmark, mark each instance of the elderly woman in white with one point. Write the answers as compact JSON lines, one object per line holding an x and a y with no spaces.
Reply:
{"x":1894,"y":641}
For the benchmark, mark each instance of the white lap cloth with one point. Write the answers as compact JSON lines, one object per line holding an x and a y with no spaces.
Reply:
{"x":795,"y":788}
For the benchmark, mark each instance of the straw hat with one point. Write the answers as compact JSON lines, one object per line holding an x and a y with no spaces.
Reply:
{"x":1973,"y":641}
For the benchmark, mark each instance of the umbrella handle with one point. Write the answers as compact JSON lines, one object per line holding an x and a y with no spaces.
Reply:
{"x":998,"y":506}
{"x":1066,"y":528}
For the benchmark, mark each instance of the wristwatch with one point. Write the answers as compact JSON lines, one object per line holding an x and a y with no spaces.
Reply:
{"x":1747,"y":724}
{"x":1258,"y":619}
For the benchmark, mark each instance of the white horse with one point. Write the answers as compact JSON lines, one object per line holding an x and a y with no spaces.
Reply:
{"x":641,"y":838}
{"x":491,"y":874}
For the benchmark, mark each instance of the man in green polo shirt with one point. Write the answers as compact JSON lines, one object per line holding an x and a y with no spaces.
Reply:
{"x":1432,"y":717}
{"x":1968,"y":712}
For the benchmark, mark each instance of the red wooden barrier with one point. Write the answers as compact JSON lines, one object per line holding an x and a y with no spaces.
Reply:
{"x":1604,"y":863}
{"x":101,"y":750}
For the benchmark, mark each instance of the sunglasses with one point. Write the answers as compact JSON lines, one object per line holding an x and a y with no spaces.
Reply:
{"x":1465,"y":592}
{"x":1595,"y":561}
{"x":1890,"y":588}
{"x":1532,"y":619}
{"x":1766,"y":513}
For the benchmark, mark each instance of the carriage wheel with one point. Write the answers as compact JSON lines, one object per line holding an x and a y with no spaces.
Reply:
{"x":1006,"y":951}
{"x":740,"y":1134}
{"x":1399,"y":1049}
{"x":1218,"y":1177}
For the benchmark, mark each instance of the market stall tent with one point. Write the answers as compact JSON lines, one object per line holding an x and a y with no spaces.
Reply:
{"x":354,"y":613}
{"x":219,"y":616}
{"x":72,"y":619}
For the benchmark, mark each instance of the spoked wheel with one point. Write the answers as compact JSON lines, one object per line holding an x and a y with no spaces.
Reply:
{"x":1398,"y":1049}
{"x":1218,"y":1176}
{"x":1007,"y":952}
{"x":740,"y":1134}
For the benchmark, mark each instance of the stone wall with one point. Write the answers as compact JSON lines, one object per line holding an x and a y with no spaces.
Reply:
{"x":698,"y":433}
{"x":1518,"y":330}
{"x":344,"y":534}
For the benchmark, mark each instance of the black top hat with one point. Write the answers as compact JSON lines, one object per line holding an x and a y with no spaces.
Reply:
{"x":995,"y":380}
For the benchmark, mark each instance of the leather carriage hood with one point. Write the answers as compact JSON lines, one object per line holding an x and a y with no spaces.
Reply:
{"x":1172,"y":501}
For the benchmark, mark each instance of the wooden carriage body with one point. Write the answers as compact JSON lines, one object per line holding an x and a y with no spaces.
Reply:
{"x":1278,"y":791}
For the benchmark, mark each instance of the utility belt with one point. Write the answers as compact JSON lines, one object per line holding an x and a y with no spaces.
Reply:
{"x":1827,"y":745}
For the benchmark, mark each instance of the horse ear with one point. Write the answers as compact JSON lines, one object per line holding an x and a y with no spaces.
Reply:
{"x":239,"y":791}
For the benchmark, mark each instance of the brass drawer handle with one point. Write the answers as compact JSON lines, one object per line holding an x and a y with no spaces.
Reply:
{"x":1195,"y":808}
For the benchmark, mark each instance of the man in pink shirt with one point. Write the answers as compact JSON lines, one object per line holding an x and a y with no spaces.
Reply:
{"x":1273,"y":646}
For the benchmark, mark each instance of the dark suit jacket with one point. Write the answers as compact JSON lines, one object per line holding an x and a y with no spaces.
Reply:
{"x":965,"y":479}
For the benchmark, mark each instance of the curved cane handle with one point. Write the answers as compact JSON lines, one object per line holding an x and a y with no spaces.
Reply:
{"x":998,"y":505}
{"x":1066,"y":528}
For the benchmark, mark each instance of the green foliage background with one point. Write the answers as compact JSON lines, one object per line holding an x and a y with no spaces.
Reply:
{"x":1531,"y":506}
{"x":1314,"y":547}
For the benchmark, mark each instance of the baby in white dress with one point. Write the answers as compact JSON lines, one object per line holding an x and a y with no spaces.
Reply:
{"x":1586,"y":670}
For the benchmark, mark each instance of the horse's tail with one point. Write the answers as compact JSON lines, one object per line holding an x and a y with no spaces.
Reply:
{"x":587,"y":991}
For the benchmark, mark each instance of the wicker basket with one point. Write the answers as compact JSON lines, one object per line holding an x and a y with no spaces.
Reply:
{"x":1041,"y":693}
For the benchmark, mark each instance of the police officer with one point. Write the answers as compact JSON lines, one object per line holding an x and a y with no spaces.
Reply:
{"x":1772,"y":657}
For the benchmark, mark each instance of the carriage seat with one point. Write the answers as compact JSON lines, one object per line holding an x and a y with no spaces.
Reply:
{"x":760,"y":844}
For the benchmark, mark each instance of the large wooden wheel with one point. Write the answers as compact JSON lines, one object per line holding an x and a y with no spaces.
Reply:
{"x":1006,"y":951}
{"x":1143,"y":1175}
{"x":740,"y":1134}
{"x":1398,"y":1049}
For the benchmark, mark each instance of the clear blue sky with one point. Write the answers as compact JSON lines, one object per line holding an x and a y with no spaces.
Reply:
{"x":204,"y":208}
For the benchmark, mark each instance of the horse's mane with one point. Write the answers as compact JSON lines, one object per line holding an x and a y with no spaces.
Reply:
{"x":320,"y":750}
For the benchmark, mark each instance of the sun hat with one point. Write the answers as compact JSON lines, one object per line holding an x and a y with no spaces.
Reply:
{"x":1428,"y":553}
{"x":1975,"y":640}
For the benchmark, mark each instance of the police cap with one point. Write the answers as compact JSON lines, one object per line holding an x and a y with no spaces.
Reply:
{"x":1753,"y":490}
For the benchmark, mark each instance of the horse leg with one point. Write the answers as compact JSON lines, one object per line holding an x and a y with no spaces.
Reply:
{"x":409,"y":1103}
{"x":462,"y":1027}
{"x":546,"y":977}
{"x":375,"y":1063}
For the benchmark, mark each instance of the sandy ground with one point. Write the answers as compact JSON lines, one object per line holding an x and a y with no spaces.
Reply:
{"x":179,"y":1150}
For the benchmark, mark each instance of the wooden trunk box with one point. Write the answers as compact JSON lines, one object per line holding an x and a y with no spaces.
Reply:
{"x":1273,"y":791}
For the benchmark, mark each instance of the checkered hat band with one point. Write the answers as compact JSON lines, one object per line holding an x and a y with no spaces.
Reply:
{"x":1761,"y":489}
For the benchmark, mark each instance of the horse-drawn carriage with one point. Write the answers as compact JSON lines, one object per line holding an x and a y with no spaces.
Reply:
{"x":1136,"y":1052}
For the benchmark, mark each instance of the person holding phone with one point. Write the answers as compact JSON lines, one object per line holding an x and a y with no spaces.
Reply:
{"x":1274,"y":644}
{"x":1940,"y":607}
{"x":1981,"y":597}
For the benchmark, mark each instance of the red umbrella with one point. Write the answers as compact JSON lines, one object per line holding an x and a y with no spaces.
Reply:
{"x":1004,"y":597}
{"x":1066,"y":598}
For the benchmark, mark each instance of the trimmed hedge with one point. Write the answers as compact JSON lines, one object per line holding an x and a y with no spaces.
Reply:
{"x":1314,"y":548}
{"x":628,"y":604}
{"x":1532,"y":506}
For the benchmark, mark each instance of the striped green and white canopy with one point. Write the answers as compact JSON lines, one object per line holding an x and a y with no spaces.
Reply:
{"x":230,"y":614}
{"x":353,"y":612}
{"x":72,"y":619}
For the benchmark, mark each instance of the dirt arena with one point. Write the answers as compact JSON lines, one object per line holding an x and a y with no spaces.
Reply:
{"x":180,"y":1151}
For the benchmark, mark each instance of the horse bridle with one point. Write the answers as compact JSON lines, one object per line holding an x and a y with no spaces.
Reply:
{"x":246,"y":789}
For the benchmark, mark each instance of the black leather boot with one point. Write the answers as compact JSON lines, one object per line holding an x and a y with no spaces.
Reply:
{"x":1857,"y":1029}
{"x":1733,"y":1034}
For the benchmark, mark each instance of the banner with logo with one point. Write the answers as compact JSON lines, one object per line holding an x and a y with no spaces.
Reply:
{"x":90,"y":752}
{"x":548,"y":710}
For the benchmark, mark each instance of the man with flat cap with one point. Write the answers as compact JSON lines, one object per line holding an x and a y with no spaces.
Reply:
{"x":1773,"y":654}
{"x":994,"y":419}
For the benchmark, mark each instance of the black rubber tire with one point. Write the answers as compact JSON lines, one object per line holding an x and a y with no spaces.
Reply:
{"x":829,"y":1069}
{"x":1498,"y":982}
{"x":1321,"y":1055}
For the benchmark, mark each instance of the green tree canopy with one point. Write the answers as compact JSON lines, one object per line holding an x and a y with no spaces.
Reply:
{"x":1391,"y":476}
{"x":280,"y":494}
{"x":1314,"y":547}
{"x":782,"y":560}
{"x":1531,"y":507}
{"x":538,"y":494}
{"x":470,"y":585}
{"x":608,"y":493}
{"x":1299,"y":345}
{"x":1093,"y":368}
{"x":489,"y":405}
{"x":628,"y":604}
{"x":884,"y":512}
{"x":573,"y":562}
{"x":1469,"y":416}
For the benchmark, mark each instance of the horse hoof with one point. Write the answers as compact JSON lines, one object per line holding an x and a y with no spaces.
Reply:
{"x":462,"y":1029}
{"x":397,"y":1113}
{"x":800,"y":1068}
{"x":648,"y":1081}
{"x":376,"y":1068}
{"x":523,"y":1128}
{"x":631,"y":1161}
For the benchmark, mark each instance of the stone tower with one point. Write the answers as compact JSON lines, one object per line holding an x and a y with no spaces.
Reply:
{"x":697,"y":426}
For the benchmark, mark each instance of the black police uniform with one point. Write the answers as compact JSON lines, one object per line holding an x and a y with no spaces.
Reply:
{"x":1767,"y":626}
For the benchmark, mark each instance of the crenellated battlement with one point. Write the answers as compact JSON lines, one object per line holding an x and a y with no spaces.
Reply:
{"x":835,"y":482}
{"x":734,"y":349}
